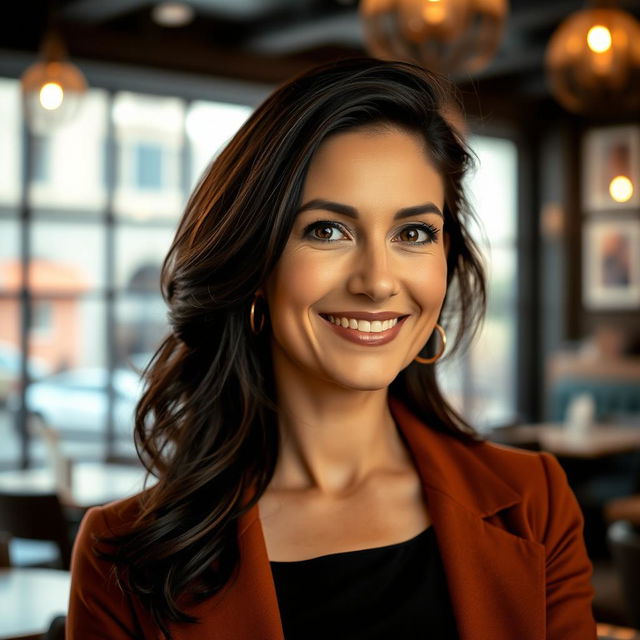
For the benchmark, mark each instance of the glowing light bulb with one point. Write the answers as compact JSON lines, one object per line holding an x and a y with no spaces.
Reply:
{"x":621,"y":189}
{"x":599,"y":39}
{"x":51,"y":96}
{"x":173,"y":14}
{"x":433,"y":12}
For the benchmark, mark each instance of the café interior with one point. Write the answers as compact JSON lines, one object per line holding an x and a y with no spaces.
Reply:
{"x":111,"y":111}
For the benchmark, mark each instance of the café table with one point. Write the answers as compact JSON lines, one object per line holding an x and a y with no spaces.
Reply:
{"x":624,"y":508}
{"x":91,"y":483}
{"x":594,"y":442}
{"x":30,"y":599}
{"x":613,"y":632}
{"x":597,"y":441}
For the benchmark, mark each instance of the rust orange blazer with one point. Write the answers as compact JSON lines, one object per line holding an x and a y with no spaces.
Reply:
{"x":508,"y":527}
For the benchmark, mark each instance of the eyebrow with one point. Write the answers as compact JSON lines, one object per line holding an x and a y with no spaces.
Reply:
{"x":352,"y":212}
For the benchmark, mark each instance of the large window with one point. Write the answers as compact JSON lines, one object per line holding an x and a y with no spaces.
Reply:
{"x":104,"y":196}
{"x":482,"y":382}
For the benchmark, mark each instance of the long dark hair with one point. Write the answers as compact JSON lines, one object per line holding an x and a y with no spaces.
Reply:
{"x":206,"y":425}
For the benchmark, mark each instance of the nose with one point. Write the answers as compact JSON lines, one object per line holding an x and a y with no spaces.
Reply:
{"x":372,"y":274}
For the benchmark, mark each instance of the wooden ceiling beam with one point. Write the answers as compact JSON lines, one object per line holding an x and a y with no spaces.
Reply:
{"x":96,"y":11}
{"x":193,"y":56}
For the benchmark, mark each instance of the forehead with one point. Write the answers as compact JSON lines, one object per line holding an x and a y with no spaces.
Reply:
{"x":385,"y":163}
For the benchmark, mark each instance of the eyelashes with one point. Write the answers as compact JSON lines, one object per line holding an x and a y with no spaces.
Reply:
{"x":424,"y":233}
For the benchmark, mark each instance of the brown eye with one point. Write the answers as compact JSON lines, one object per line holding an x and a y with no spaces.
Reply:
{"x":323,"y":233}
{"x":418,"y":234}
{"x":410,"y":235}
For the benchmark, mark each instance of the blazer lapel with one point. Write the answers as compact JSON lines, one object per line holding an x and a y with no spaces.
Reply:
{"x":495,"y":578}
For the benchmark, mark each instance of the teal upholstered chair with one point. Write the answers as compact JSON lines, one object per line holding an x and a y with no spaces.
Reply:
{"x":613,"y":399}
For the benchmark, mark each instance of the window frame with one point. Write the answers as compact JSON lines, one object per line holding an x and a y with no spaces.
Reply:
{"x":111,"y":79}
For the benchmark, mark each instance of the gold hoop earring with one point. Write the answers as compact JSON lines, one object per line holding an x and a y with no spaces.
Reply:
{"x":252,"y":315}
{"x":443,"y":340}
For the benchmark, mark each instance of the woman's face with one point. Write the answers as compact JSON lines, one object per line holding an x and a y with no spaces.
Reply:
{"x":367,"y":241}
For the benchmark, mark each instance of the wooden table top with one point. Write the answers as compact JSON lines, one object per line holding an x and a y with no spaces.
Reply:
{"x":599,"y":440}
{"x":612,"y":632}
{"x":30,"y":599}
{"x":92,"y":483}
{"x":595,"y":442}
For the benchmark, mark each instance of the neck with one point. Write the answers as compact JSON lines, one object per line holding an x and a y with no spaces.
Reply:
{"x":332,"y":438}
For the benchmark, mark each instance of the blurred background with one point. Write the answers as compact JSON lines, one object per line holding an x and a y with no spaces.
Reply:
{"x":110,"y":112}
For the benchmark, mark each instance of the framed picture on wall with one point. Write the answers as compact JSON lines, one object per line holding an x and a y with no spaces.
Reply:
{"x":611,"y":264}
{"x":611,"y":168}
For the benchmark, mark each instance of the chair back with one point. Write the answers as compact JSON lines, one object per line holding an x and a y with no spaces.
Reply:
{"x":5,"y":561}
{"x":624,"y":542}
{"x":36,"y":517}
{"x":60,"y":464}
{"x":56,"y":629}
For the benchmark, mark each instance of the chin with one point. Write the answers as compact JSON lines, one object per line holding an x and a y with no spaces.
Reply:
{"x":363,"y":380}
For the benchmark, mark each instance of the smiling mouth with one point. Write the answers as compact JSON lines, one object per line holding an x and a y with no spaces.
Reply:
{"x":366,"y":333}
{"x":363,"y":326}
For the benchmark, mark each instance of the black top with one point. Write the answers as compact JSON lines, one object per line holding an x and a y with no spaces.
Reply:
{"x":396,"y":591}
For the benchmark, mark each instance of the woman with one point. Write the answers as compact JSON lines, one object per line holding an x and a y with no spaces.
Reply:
{"x":312,"y":479}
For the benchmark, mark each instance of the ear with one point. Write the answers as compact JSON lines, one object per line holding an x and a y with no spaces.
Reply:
{"x":261,"y":292}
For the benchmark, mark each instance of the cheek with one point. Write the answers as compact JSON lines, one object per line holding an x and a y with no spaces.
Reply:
{"x":298,"y":282}
{"x":430,"y":283}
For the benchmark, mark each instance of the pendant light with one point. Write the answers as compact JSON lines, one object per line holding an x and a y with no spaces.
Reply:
{"x":52,"y":88}
{"x":446,"y":36}
{"x":593,"y":61}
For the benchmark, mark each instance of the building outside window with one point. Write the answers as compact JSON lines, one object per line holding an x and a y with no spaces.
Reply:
{"x":42,"y":317}
{"x":148,"y":163}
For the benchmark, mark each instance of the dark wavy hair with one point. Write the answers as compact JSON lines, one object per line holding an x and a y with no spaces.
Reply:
{"x":206,"y":424}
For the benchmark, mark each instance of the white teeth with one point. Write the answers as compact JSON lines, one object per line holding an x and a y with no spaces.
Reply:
{"x":375,"y":326}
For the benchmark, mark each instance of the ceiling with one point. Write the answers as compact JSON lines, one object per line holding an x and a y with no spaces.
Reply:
{"x":264,"y":41}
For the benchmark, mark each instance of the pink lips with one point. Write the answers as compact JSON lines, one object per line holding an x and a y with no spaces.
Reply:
{"x":367,"y":339}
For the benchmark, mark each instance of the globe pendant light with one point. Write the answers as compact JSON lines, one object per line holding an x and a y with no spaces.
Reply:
{"x":52,"y":88}
{"x":447,"y":36}
{"x":593,"y":62}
